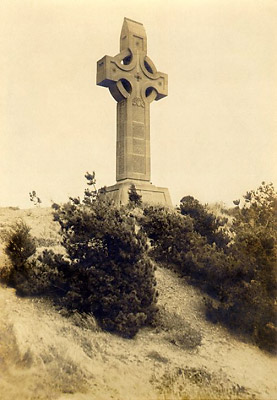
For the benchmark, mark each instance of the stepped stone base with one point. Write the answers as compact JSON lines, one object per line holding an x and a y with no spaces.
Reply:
{"x":151,"y":194}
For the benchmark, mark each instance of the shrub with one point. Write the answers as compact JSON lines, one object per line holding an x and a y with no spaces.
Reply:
{"x":135,"y":199}
{"x":34,"y":198}
{"x":248,"y":303}
{"x":170,"y":234}
{"x":19,"y":247}
{"x":20,"y":244}
{"x":205,"y":222}
{"x":241,"y":275}
{"x":44,"y":275}
{"x":175,"y":241}
{"x":108,"y":271}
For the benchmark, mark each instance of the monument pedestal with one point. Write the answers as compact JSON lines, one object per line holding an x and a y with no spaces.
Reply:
{"x":151,"y":194}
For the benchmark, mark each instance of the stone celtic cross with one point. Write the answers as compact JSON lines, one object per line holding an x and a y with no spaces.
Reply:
{"x":134,"y":83}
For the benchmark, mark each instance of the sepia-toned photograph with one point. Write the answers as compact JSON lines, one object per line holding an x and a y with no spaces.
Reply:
{"x":138,"y":201}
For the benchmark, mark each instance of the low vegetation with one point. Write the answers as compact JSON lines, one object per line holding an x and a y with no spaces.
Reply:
{"x":107,"y":270}
{"x":248,"y":299}
{"x":19,"y":248}
{"x":238,"y":271}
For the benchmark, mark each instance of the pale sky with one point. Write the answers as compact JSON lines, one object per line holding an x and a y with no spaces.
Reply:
{"x":213,"y":137}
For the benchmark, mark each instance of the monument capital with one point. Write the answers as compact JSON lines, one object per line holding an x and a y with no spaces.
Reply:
{"x":131,"y":73}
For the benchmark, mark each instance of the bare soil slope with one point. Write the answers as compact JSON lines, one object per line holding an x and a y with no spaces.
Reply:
{"x":46,"y":355}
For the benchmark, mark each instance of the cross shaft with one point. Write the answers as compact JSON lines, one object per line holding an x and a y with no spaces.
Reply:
{"x":134,"y":83}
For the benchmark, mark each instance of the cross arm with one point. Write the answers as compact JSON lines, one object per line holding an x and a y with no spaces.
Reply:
{"x":156,"y":84}
{"x":160,"y":85}
{"x":109,"y":67}
{"x":104,"y":72}
{"x":112,"y":73}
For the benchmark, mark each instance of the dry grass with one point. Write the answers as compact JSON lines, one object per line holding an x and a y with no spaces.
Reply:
{"x":46,"y":354}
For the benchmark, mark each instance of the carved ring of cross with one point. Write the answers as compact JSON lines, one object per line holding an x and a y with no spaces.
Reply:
{"x":135,"y":75}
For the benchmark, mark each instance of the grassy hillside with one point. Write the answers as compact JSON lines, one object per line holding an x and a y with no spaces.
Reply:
{"x":44,"y":354}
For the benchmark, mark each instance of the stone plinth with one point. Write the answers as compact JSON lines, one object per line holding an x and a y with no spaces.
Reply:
{"x":151,"y":194}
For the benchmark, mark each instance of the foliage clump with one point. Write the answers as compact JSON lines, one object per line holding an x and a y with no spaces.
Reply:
{"x":34,"y":198}
{"x":105,"y":270}
{"x":135,"y":199}
{"x":19,"y":247}
{"x":248,"y":303}
{"x":239,"y":271}
{"x":175,"y":242}
{"x":108,"y":272}
{"x":205,"y":222}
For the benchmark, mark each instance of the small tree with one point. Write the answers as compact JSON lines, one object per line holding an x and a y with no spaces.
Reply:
{"x":249,"y":301}
{"x":106,"y":270}
{"x":255,"y":229}
{"x":175,"y":241}
{"x":91,"y":193}
{"x":134,"y":198}
{"x":205,"y":222}
{"x":34,"y":198}
{"x":108,"y":273}
{"x":20,"y":245}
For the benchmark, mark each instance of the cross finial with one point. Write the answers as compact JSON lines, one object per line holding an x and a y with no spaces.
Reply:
{"x":133,"y":36}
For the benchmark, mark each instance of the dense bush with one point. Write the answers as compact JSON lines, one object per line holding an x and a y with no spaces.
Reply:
{"x":20,"y":245}
{"x":170,"y":234}
{"x":175,"y":241}
{"x":135,"y":199}
{"x":110,"y":274}
{"x":240,"y":273}
{"x":44,"y":275}
{"x":249,"y":299}
{"x":106,"y":270}
{"x":205,"y":222}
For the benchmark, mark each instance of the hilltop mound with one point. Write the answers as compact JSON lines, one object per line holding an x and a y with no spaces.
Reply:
{"x":48,"y":356}
{"x":45,"y":354}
